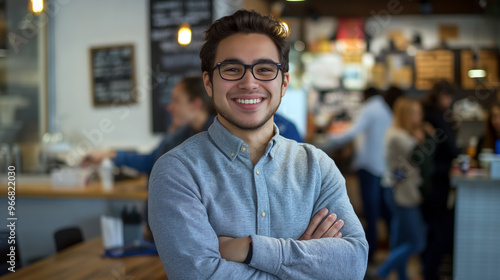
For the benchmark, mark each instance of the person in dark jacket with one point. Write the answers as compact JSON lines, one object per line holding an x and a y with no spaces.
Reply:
{"x":437,"y":112}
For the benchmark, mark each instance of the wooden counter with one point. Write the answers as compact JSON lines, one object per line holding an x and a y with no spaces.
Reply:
{"x":27,"y":186}
{"x":84,"y":261}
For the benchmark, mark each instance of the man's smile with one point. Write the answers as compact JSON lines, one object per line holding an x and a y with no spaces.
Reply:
{"x":248,"y":101}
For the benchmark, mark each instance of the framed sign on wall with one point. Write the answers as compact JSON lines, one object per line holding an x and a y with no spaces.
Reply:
{"x":113,"y":75}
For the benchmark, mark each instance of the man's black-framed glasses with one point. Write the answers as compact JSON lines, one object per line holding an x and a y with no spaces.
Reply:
{"x":234,"y":71}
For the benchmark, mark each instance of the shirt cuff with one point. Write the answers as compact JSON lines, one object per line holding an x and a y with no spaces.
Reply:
{"x":267,"y":254}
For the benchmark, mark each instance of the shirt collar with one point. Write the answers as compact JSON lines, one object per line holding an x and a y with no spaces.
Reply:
{"x":231,"y":146}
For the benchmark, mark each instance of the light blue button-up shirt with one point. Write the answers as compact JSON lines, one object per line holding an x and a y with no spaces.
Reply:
{"x":208,"y":187}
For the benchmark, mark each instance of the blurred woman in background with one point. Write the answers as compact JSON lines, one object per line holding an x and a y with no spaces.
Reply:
{"x":404,"y":177}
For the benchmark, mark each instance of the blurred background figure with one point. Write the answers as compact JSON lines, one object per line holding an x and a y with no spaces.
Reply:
{"x":191,"y":111}
{"x":489,"y":141}
{"x":371,"y":124}
{"x":403,"y":178}
{"x":287,"y":128}
{"x":437,"y":103}
{"x":392,"y":94}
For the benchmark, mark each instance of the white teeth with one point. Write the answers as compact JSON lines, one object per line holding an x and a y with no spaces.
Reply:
{"x":249,"y":101}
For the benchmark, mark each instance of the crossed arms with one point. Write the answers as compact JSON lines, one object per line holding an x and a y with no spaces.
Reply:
{"x":236,"y":249}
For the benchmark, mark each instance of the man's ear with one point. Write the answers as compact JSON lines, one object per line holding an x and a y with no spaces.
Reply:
{"x":284,"y":85}
{"x":207,"y":83}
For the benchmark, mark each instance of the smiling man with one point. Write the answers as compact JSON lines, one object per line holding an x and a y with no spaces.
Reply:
{"x":240,"y":201}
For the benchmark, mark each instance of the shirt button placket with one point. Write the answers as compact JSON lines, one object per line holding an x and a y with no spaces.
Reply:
{"x":263,"y":214}
{"x":263,"y":200}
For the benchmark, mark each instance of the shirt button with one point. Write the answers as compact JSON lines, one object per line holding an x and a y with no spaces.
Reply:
{"x":263,"y":214}
{"x":232,"y":154}
{"x":257,"y":172}
{"x":243,"y":149}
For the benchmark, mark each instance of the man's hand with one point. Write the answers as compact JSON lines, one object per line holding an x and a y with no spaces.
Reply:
{"x":234,"y":249}
{"x":97,"y":157}
{"x":328,"y":228}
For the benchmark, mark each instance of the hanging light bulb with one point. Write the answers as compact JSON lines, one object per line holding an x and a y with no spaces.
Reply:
{"x":184,"y":34}
{"x":36,"y":6}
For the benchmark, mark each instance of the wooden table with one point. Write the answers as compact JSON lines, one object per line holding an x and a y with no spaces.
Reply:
{"x":84,"y":261}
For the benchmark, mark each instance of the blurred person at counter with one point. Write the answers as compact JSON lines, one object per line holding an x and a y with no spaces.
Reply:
{"x":409,"y":166}
{"x":490,"y":141}
{"x":240,"y":201}
{"x":373,"y":120}
{"x":437,"y":103}
{"x":191,"y":111}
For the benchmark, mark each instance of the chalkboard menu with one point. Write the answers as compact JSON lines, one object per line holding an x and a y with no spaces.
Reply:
{"x":112,"y":75}
{"x":169,"y":60}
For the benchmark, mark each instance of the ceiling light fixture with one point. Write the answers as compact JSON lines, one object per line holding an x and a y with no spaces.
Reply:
{"x":476,"y":73}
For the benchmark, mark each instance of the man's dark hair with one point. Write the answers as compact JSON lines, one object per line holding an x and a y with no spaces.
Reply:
{"x":247,"y":22}
{"x":195,"y":88}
